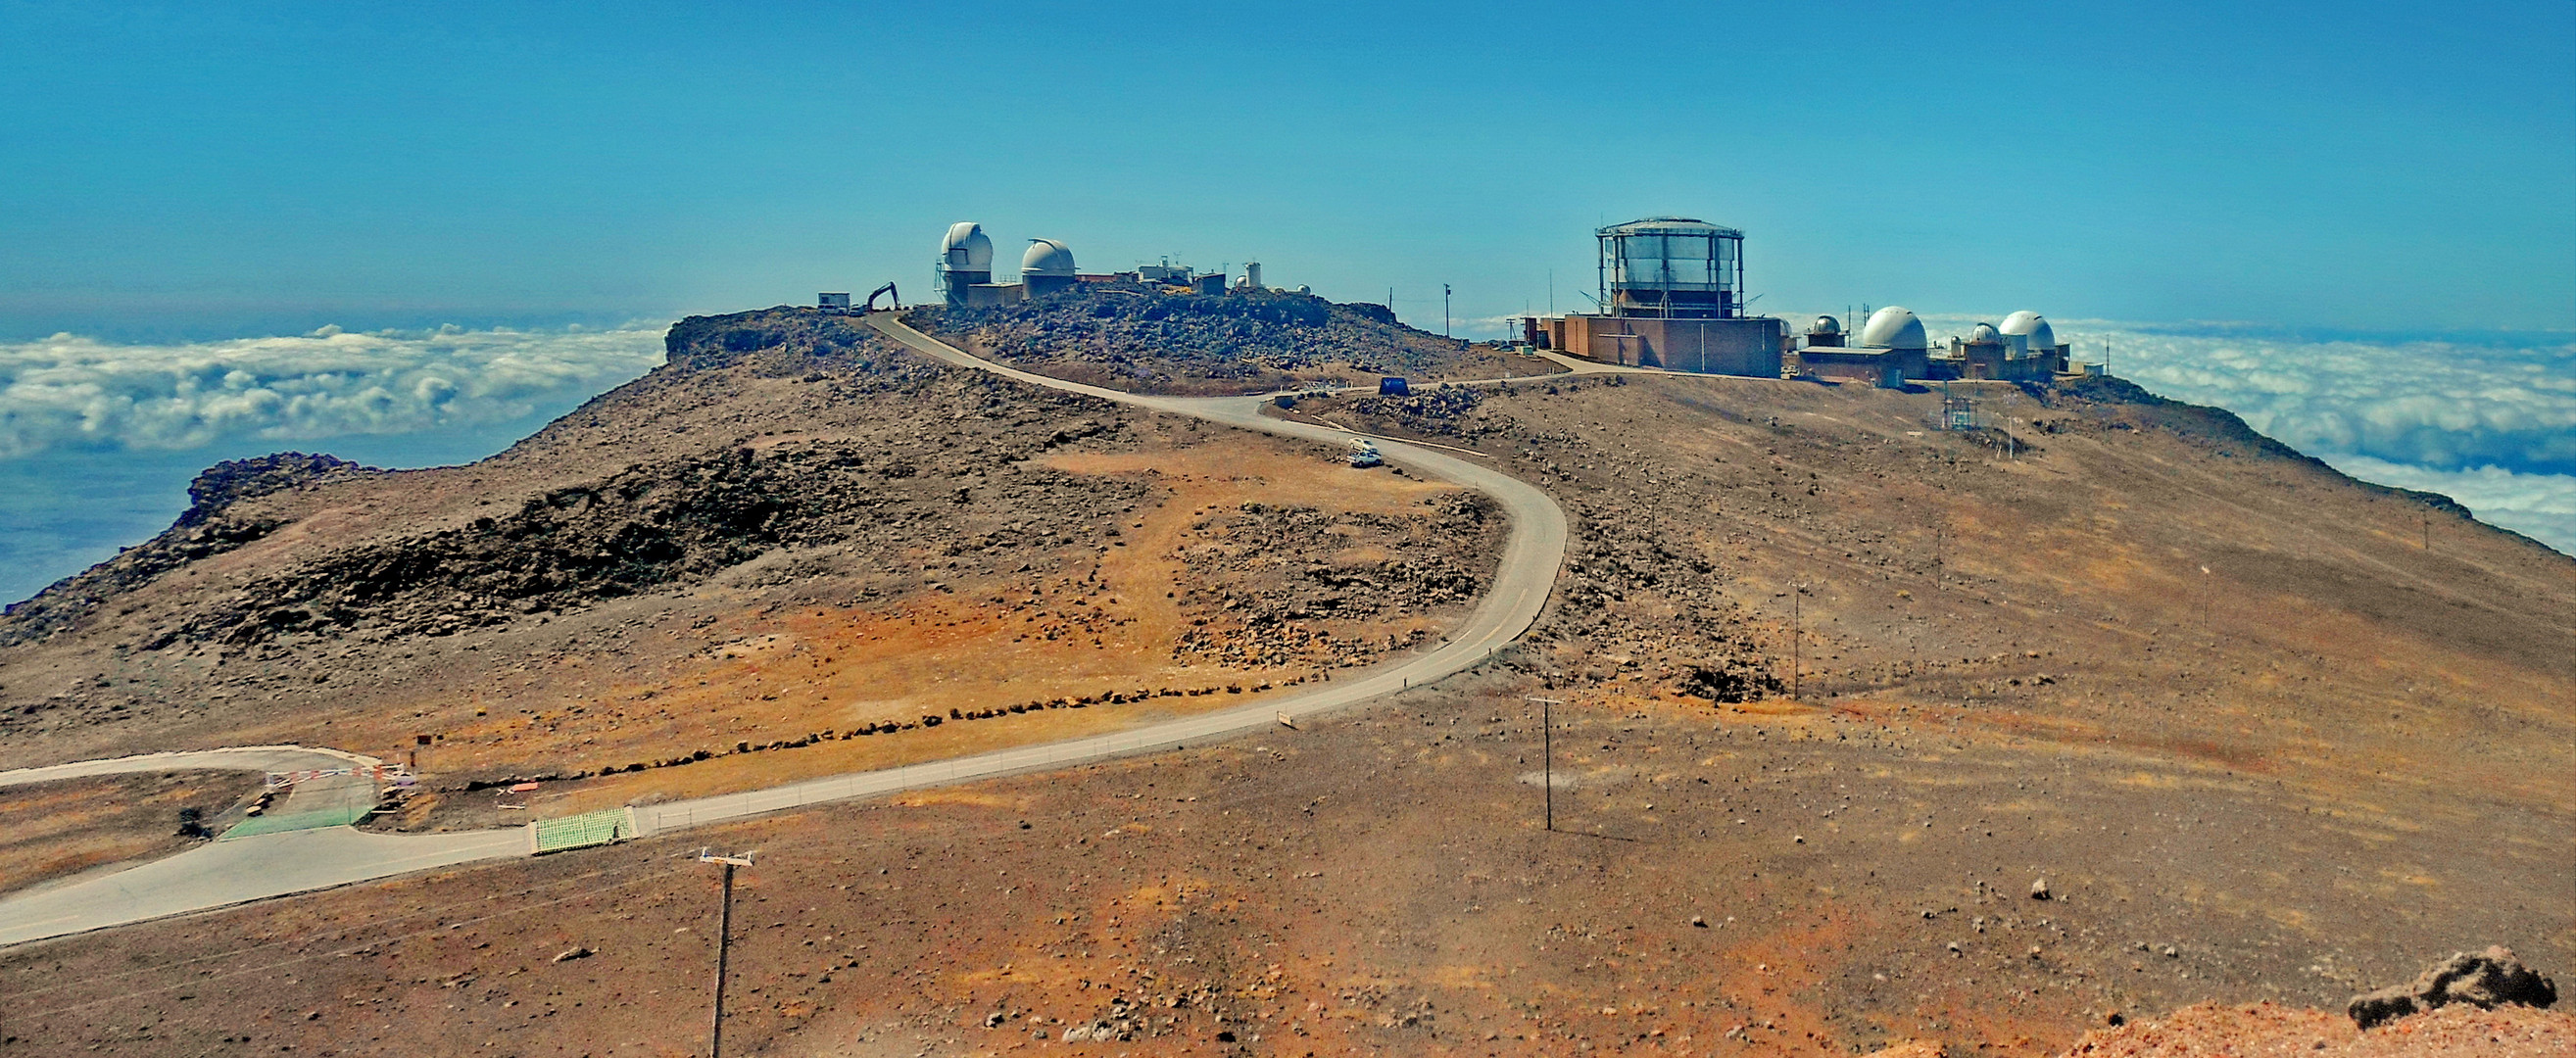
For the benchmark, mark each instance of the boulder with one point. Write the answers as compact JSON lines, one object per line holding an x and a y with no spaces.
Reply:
{"x":2485,"y":980}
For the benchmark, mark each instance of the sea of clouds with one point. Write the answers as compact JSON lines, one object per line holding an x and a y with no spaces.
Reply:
{"x":71,"y":391}
{"x":98,"y":440}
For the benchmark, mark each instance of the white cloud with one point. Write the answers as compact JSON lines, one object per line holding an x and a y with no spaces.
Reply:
{"x":2441,"y":405}
{"x":2540,"y":506}
{"x":70,"y":390}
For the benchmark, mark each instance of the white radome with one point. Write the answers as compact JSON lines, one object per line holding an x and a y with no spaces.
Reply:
{"x":1893,"y":327}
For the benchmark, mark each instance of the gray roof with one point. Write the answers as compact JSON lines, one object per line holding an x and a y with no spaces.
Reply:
{"x":1671,"y":226}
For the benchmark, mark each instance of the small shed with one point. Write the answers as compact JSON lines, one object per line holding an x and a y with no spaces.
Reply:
{"x":1392,"y":386}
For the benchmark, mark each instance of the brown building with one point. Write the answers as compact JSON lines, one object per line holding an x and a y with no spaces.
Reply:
{"x":1736,"y":346}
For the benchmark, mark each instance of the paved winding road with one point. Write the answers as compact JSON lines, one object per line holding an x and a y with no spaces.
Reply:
{"x":246,"y":869}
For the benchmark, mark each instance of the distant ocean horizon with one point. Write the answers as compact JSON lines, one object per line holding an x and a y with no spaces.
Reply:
{"x":99,"y":439}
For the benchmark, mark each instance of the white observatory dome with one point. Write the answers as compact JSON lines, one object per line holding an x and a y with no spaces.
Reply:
{"x":1826,"y":325}
{"x":1985,"y":334}
{"x":966,"y":249}
{"x":1893,"y":327}
{"x":1047,"y":257}
{"x":2038,"y":336}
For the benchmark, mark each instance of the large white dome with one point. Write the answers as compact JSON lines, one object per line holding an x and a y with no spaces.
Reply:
{"x":2038,"y":336}
{"x":965,"y":249}
{"x":1047,"y":257}
{"x":1893,"y":327}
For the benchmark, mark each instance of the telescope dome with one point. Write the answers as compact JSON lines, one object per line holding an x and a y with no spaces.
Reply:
{"x":1894,"y":327}
{"x":2038,"y":336}
{"x":1047,"y":257}
{"x":1985,"y":334}
{"x":966,"y":249}
{"x":1825,"y":325}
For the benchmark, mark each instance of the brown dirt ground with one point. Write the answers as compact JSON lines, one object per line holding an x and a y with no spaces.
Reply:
{"x":1075,"y":596}
{"x":2264,"y":1029}
{"x":2334,"y":756}
{"x":50,"y":830}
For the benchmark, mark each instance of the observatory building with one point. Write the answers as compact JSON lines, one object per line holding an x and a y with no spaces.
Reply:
{"x":1672,"y":296}
{"x":965,"y":261}
{"x":2031,"y":336}
{"x":2023,"y":349}
{"x":1047,"y":267}
{"x":1889,"y":350}
{"x":964,"y":272}
{"x":1892,"y":349}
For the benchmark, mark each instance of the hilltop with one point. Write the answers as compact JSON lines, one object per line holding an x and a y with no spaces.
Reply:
{"x":1866,"y":731}
{"x":1141,"y":338}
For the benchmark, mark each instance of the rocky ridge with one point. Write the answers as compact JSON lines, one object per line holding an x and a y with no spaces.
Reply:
{"x":1143,"y":338}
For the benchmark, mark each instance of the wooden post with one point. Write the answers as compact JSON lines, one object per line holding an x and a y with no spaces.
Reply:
{"x":1547,"y":754}
{"x":724,"y":946}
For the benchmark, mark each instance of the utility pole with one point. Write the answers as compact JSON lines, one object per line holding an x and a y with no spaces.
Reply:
{"x":724,"y":944}
{"x":2205,"y":589}
{"x":1547,"y":753}
{"x":1444,"y":310}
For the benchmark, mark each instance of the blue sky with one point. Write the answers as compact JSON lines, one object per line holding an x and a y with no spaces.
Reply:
{"x":215,"y":170}
{"x":188,"y":192}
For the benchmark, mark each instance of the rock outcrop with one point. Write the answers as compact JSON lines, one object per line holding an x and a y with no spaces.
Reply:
{"x":2485,"y":980}
{"x":1138,"y":336}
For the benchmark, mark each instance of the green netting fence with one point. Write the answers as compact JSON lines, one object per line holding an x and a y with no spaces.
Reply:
{"x":581,"y":831}
{"x":312,"y":805}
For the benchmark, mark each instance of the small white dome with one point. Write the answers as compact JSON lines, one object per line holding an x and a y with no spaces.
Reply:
{"x":1825,"y":325}
{"x":1893,"y":327}
{"x":1047,"y":257}
{"x":1985,"y":334}
{"x":965,"y":249}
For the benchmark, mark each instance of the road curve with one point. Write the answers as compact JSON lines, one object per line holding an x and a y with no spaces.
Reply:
{"x":239,"y":871}
{"x":1526,"y":575}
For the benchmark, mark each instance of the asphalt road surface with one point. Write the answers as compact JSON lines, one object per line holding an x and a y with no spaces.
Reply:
{"x":246,"y":869}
